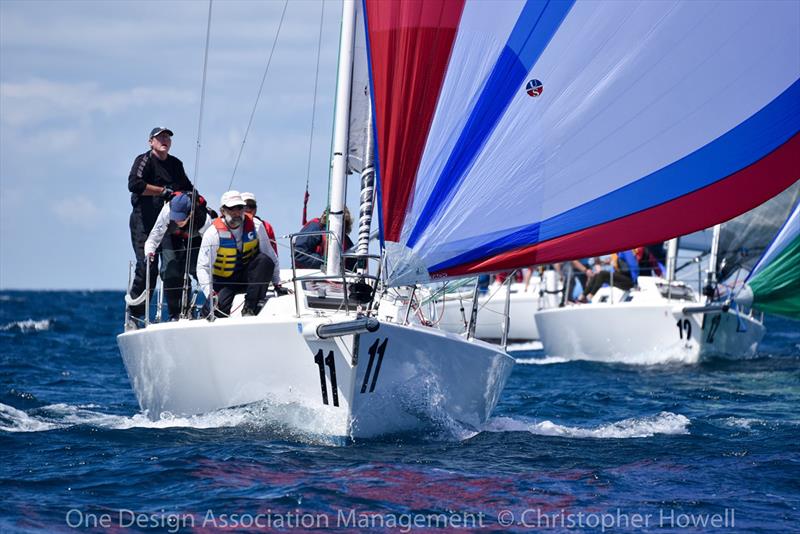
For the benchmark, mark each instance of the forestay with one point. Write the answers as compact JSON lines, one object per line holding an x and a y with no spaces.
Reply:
{"x":511,"y":133}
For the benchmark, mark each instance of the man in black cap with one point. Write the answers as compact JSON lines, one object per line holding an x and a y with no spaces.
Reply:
{"x":154,"y":178}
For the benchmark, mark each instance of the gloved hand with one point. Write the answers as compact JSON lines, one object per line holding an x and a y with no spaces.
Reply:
{"x":280,"y":291}
{"x":167,"y":194}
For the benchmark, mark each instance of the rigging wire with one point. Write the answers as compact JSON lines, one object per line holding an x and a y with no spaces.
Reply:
{"x":258,"y":96}
{"x":187,"y":284}
{"x":313,"y":115}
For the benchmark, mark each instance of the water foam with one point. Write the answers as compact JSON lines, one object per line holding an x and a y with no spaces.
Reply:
{"x":660,"y":356}
{"x":57,"y":416}
{"x":547,"y":360}
{"x":637,"y":427}
{"x":290,"y":421}
{"x":13,"y":420}
{"x":28,"y":325}
{"x":742,"y":422}
{"x":525,"y":346}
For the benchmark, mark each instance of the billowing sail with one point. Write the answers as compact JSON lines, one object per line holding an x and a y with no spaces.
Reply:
{"x":512,"y":132}
{"x":775,"y":280}
{"x":743,"y":240}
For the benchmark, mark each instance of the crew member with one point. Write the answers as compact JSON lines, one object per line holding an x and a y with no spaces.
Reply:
{"x":171,"y":233}
{"x":250,"y":208}
{"x":236,"y":257}
{"x":154,"y":177}
{"x":309,"y":250}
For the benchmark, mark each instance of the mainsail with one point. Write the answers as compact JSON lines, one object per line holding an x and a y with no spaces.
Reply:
{"x":512,"y":133}
{"x":775,"y":280}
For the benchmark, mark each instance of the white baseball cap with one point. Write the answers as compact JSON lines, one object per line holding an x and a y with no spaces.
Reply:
{"x":231,"y":199}
{"x":248,"y":196}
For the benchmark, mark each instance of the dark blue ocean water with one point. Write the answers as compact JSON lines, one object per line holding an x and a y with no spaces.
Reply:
{"x":572,"y":447}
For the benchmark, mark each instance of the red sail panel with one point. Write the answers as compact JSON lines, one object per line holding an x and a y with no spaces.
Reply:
{"x":410,"y":44}
{"x":735,"y":194}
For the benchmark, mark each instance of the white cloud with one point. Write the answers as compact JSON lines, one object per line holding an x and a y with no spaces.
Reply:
{"x":38,"y":100}
{"x":77,"y":211}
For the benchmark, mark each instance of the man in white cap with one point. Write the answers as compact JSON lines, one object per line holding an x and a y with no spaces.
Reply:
{"x":250,"y":208}
{"x":236,"y":257}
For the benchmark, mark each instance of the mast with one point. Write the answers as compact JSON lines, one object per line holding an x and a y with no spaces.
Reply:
{"x":341,"y":125}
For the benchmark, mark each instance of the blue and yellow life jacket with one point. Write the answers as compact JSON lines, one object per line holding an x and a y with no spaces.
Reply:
{"x":229,"y":258}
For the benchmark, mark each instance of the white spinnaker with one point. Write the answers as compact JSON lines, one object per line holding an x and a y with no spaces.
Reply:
{"x":628,"y":89}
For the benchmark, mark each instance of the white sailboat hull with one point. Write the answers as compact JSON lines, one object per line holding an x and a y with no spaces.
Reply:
{"x":647,"y":325}
{"x":731,"y":335}
{"x":645,"y":334}
{"x":618,"y":333}
{"x":398,"y":379}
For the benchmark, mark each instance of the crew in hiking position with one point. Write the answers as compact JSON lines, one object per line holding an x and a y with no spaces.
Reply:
{"x":171,"y":233}
{"x":153,"y":179}
{"x":236,"y":257}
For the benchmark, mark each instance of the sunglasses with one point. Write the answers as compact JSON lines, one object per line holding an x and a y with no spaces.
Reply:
{"x":234,"y":208}
{"x":250,"y":207}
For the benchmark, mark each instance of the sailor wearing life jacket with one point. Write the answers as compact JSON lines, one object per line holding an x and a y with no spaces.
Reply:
{"x":309,"y":250}
{"x":171,"y":233}
{"x":236,"y":257}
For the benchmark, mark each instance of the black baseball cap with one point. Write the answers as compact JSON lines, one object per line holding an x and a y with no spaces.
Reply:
{"x":160,"y":129}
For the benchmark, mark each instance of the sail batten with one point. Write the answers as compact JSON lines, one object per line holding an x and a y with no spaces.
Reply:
{"x":556,"y":130}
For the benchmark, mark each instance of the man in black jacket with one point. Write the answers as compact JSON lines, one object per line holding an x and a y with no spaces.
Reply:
{"x":154,"y":178}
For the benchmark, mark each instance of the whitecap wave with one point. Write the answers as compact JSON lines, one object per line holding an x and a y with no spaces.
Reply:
{"x":290,"y":421}
{"x":547,"y":360}
{"x":742,"y":422}
{"x":13,"y":420}
{"x":28,"y":325}
{"x":637,"y":427}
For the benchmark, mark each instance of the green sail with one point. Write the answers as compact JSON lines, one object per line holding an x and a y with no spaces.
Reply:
{"x":776,"y":288}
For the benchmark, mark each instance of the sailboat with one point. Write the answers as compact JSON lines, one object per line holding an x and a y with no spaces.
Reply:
{"x":664,"y":319}
{"x":506,"y":135}
{"x":450,"y":308}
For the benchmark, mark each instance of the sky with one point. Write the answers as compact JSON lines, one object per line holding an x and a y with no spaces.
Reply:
{"x":83,"y":83}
